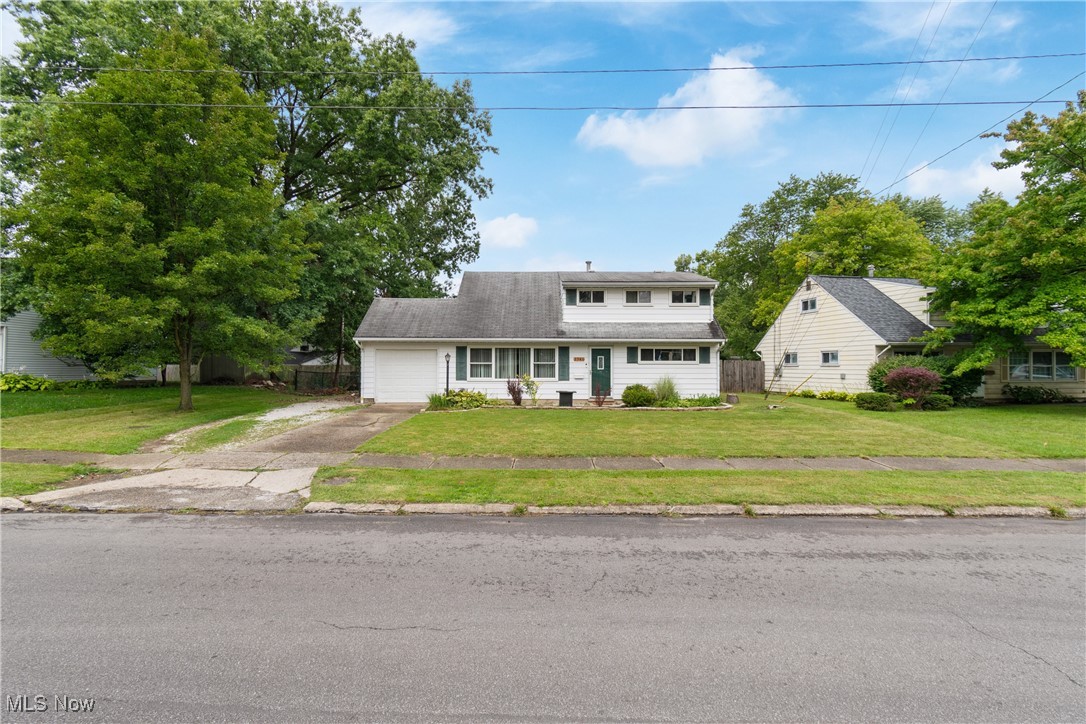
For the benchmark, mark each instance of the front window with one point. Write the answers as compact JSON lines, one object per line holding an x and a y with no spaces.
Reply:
{"x":684,"y":296}
{"x":513,"y":362}
{"x":1040,"y":365}
{"x":661,"y":354}
{"x":590,"y":296}
{"x":830,"y":358}
{"x":546,"y":364}
{"x":482,"y":363}
{"x":639,"y":296}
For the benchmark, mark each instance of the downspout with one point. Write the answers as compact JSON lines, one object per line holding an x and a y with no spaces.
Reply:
{"x":361,"y":367}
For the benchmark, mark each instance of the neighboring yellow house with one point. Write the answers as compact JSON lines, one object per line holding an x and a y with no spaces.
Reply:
{"x":833,"y":328}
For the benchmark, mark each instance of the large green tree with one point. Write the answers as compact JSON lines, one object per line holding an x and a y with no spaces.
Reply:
{"x":743,"y":261}
{"x":1024,"y":269}
{"x":153,"y":230}
{"x":380,"y":162}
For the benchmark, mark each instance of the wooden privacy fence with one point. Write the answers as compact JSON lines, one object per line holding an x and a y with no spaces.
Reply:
{"x":742,"y":375}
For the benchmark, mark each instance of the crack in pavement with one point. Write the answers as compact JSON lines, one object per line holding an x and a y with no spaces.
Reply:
{"x":969,"y":623}
{"x":390,"y":628}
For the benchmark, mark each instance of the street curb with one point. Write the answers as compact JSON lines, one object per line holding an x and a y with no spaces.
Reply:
{"x":848,"y":511}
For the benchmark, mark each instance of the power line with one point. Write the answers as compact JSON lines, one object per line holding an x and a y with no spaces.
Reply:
{"x":584,"y":71}
{"x":978,"y":135}
{"x":950,"y":82}
{"x":294,"y":106}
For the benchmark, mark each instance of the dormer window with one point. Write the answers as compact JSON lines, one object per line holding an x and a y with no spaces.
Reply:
{"x":808,"y":305}
{"x":639,"y":296}
{"x":684,"y":296}
{"x":589,"y":296}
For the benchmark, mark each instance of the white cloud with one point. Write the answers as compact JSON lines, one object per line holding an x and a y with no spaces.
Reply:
{"x":10,"y":34}
{"x":902,"y":23}
{"x":426,"y":26}
{"x":508,"y":232}
{"x":962,"y":185}
{"x":688,"y":137}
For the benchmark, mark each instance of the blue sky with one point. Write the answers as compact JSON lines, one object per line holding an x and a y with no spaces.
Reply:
{"x":634,"y":190}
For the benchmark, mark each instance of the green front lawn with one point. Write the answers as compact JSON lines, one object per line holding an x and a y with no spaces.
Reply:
{"x":670,"y":487}
{"x":29,"y":478}
{"x":119,"y":420}
{"x":803,"y":428}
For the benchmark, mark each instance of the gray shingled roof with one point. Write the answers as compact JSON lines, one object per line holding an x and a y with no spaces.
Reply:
{"x":635,"y":278}
{"x":883,"y":315}
{"x":507,"y":305}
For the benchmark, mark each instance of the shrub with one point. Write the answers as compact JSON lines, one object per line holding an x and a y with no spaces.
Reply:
{"x":20,"y":382}
{"x":466,"y":399}
{"x":1033,"y":395}
{"x":638,"y":396}
{"x":702,"y":401}
{"x":939,"y":402}
{"x":665,"y":390}
{"x":957,"y":386}
{"x":438,"y":401}
{"x":806,"y":394}
{"x":915,"y":384}
{"x":530,"y":386}
{"x":516,"y":390}
{"x":835,"y":395}
{"x":877,"y":401}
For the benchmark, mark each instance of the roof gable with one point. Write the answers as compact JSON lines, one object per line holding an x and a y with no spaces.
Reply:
{"x":883,"y":315}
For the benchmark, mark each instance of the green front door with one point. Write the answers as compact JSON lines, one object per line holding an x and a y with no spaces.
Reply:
{"x":601,"y":372}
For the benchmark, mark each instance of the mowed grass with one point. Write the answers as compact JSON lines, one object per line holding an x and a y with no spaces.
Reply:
{"x":119,"y":420}
{"x":802,"y":428}
{"x":597,"y":487}
{"x":29,"y":478}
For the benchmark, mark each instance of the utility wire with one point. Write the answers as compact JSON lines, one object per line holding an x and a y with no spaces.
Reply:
{"x":897,"y":113}
{"x":943,"y":95}
{"x":901,"y":78}
{"x":297,"y":106}
{"x":978,"y":135}
{"x":586,"y":71}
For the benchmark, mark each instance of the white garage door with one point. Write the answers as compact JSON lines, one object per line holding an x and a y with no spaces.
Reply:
{"x":405,"y":375}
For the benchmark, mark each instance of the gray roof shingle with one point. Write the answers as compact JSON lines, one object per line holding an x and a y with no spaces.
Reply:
{"x":508,"y":305}
{"x":883,"y":315}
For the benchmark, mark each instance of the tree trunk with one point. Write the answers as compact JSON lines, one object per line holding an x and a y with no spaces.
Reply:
{"x":185,"y":373}
{"x":339,"y":354}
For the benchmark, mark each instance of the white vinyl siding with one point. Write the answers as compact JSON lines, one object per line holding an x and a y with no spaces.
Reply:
{"x":910,"y":296}
{"x":805,"y":335}
{"x":616,"y":309}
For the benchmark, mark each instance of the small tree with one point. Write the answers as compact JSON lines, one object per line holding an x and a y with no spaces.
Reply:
{"x":913,"y":383}
{"x":516,"y":390}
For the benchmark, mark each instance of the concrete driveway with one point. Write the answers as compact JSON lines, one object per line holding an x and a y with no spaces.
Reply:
{"x":272,"y":474}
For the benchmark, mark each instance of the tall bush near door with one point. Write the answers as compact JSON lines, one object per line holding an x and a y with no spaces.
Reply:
{"x":959,"y":386}
{"x":914,"y":384}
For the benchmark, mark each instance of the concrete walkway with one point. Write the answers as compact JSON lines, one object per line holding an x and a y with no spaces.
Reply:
{"x":280,"y":460}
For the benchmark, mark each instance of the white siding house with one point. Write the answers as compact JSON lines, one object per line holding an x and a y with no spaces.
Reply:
{"x":20,"y":352}
{"x":834,"y":328}
{"x":576,"y":332}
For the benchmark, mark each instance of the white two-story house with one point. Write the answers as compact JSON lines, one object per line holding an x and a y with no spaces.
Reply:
{"x":580,"y":332}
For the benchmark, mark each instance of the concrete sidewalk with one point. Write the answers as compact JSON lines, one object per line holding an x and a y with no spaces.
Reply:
{"x":280,"y":460}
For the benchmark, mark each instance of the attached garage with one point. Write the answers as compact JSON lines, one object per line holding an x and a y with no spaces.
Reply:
{"x":405,"y":375}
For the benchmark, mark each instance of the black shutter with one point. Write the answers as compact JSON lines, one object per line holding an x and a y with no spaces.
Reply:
{"x":571,"y":297}
{"x":631,"y":355}
{"x":705,"y":297}
{"x":563,"y":363}
{"x":703,"y":355}
{"x":461,"y":363}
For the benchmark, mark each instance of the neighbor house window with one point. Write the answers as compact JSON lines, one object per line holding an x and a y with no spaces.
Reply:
{"x":808,"y":305}
{"x":639,"y":296}
{"x":830,"y":358}
{"x":660,"y":354}
{"x":1040,"y":365}
{"x":513,"y":362}
{"x":684,"y":296}
{"x":546,"y":363}
{"x":482,"y":362}
{"x":791,"y":359}
{"x":590,"y":296}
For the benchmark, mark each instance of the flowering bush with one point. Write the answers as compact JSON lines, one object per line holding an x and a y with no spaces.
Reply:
{"x":914,"y":385}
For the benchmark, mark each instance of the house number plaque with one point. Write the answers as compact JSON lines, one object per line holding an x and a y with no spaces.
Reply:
{"x":578,"y":359}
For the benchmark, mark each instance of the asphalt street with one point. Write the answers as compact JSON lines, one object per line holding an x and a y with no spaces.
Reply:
{"x":416,"y":618}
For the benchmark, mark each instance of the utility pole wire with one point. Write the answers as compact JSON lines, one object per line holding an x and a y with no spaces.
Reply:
{"x":978,"y":135}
